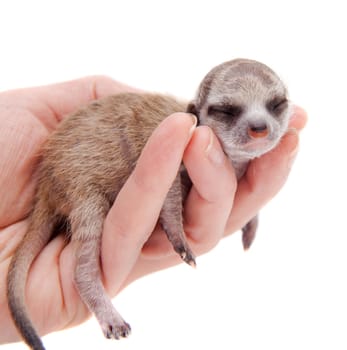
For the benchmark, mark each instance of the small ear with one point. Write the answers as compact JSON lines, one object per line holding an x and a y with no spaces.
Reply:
{"x":192,"y":109}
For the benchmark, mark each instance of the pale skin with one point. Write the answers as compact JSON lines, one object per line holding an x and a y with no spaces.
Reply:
{"x":132,"y":245}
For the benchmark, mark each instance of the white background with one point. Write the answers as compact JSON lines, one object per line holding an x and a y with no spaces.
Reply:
{"x":289,"y":291}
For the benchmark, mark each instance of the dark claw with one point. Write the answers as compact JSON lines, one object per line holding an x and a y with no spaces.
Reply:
{"x":186,"y":254}
{"x":108,"y":334}
{"x":125,"y":330}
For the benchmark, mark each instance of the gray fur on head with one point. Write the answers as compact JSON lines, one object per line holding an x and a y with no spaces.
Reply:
{"x":240,"y":95}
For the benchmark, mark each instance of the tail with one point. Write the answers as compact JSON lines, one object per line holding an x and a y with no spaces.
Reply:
{"x":38,"y":235}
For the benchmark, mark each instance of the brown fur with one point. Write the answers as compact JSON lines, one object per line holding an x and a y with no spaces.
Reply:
{"x":86,"y":161}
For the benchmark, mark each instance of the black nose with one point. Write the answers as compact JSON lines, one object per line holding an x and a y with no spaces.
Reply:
{"x":258,"y":130}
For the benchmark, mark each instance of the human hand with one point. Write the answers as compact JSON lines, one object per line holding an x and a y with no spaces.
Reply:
{"x":216,"y":206}
{"x":27,"y":117}
{"x":129,"y":250}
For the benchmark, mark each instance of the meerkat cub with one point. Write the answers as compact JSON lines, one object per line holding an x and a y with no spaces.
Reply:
{"x":86,"y":161}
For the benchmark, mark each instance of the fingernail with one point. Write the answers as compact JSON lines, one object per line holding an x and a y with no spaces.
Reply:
{"x":213,"y":151}
{"x":195,"y":122}
{"x":298,"y":118}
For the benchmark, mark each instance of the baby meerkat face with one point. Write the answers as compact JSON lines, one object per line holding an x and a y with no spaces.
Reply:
{"x":246,"y":105}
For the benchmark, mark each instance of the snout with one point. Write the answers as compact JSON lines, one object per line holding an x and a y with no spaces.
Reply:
{"x":258,"y":130}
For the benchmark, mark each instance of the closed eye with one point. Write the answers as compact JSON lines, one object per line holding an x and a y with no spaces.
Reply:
{"x":226,"y":111}
{"x":277,"y":105}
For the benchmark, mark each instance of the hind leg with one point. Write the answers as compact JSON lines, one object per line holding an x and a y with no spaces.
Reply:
{"x":86,"y":225}
{"x":248,"y":232}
